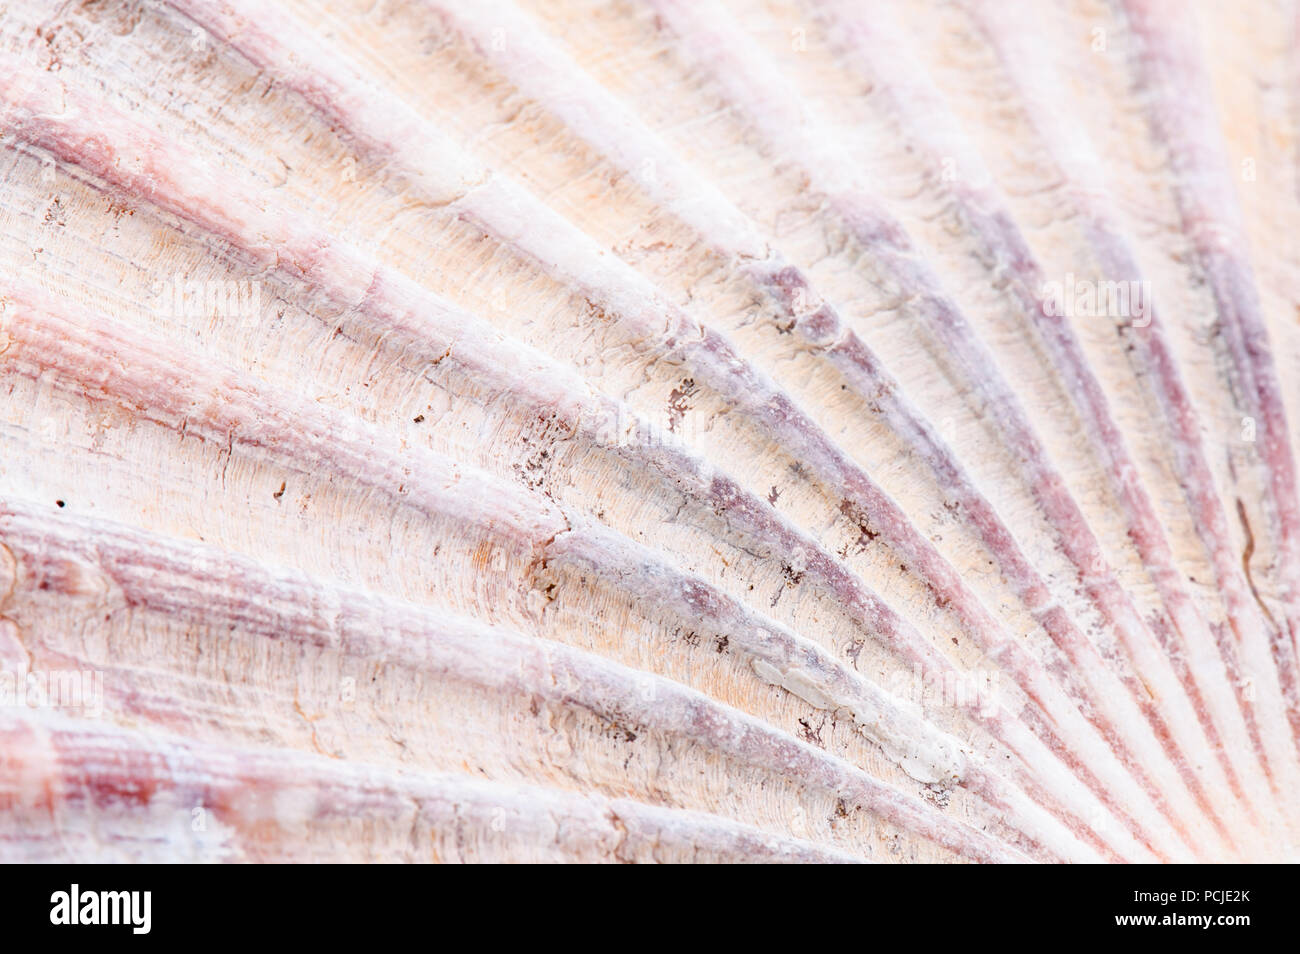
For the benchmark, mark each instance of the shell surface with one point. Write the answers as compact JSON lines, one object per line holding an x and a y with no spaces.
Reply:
{"x":760,"y":430}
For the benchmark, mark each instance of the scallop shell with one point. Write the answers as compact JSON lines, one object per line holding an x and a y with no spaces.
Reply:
{"x":771,"y":430}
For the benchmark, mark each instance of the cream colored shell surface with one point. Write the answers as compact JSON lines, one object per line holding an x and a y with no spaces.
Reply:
{"x":751,"y":430}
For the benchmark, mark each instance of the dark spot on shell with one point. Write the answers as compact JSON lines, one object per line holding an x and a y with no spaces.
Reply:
{"x":678,"y":402}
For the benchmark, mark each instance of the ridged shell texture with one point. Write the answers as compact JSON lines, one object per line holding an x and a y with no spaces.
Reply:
{"x":669,"y":430}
